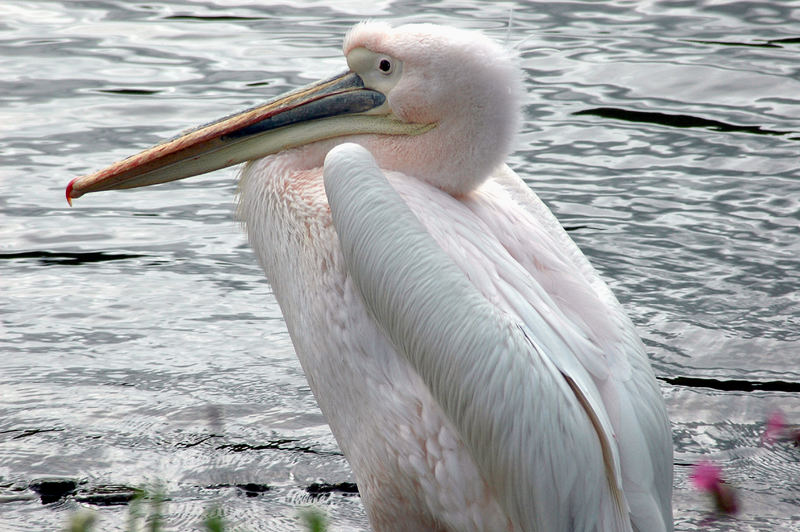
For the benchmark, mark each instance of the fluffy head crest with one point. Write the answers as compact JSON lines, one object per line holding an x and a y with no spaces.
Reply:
{"x":461,"y":80}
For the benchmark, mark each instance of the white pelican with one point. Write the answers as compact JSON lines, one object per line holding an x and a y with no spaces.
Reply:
{"x":475,"y":370}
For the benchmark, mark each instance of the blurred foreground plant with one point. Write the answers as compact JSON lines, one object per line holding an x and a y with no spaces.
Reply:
{"x":313,"y":519}
{"x":149,"y":517}
{"x":777,"y":430}
{"x":707,"y":476}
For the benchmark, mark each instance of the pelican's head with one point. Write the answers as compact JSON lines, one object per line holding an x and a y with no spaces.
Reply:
{"x":460,"y":81}
{"x":434,"y":102}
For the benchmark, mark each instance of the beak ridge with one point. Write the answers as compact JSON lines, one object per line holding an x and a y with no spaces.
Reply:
{"x":311,"y":113}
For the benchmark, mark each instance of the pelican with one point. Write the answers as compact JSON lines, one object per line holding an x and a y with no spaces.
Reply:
{"x":475,"y":370}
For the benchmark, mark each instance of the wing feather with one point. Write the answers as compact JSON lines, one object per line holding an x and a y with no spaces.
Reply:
{"x":498,"y":375}
{"x":630,"y":391}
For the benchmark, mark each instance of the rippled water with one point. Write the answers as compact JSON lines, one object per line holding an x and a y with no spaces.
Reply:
{"x":140,"y":342}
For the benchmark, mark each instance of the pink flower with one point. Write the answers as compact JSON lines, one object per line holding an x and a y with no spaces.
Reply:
{"x":778,"y":430}
{"x":776,"y":425}
{"x":707,"y":476}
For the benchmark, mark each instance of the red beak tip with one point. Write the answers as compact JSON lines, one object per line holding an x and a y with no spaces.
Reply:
{"x":69,"y":192}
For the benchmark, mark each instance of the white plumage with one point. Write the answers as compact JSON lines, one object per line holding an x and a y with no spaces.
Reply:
{"x":475,"y":370}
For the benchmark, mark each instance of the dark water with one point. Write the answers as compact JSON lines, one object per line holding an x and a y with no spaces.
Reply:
{"x":141,"y":344}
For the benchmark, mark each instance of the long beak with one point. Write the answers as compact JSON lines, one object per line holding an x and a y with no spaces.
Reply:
{"x":332,"y":108}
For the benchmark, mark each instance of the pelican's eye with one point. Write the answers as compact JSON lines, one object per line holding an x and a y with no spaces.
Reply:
{"x":379,"y":71}
{"x":385,"y":66}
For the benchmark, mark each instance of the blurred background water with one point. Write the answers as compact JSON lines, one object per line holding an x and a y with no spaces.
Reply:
{"x":140,"y":342}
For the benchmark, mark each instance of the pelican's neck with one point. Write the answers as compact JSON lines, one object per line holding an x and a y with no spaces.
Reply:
{"x":281,"y":200}
{"x":456,"y":156}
